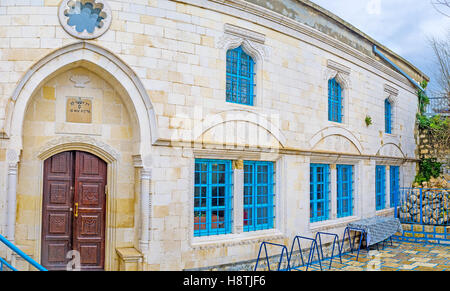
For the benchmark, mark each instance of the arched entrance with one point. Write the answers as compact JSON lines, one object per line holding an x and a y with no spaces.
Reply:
{"x":74,"y":211}
{"x":119,"y":131}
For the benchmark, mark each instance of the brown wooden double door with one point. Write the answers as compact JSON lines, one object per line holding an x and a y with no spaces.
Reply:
{"x":73,"y":213}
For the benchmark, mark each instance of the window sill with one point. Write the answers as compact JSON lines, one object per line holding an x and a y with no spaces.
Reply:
{"x":241,"y":106}
{"x":243,"y":238}
{"x":385,"y":211}
{"x":330,"y":224}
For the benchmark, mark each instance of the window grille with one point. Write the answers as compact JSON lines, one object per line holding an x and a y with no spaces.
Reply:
{"x":213,"y":197}
{"x":240,"y":77}
{"x":394,"y":188}
{"x":319,"y":192}
{"x":387,"y":116}
{"x":380,"y":187}
{"x":334,"y":101}
{"x":344,"y":190}
{"x":258,"y":195}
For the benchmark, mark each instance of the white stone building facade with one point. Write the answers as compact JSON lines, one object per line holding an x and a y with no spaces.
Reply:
{"x":153,"y":74}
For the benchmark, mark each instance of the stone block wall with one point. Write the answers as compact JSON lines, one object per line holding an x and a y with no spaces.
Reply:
{"x":177,"y":51}
{"x":425,"y":233}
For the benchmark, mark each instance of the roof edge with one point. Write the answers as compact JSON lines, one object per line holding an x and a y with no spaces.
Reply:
{"x":331,"y":15}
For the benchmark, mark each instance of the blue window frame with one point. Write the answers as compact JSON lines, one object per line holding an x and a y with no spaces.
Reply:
{"x":334,"y":101}
{"x":387,"y":116}
{"x":212,"y":197}
{"x":240,"y":77}
{"x":380,"y":187}
{"x":394,"y":187}
{"x":319,"y":192}
{"x":344,"y":190}
{"x":258,"y":195}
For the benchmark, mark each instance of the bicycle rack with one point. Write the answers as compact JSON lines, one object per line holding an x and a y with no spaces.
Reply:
{"x":363,"y":234}
{"x":283,"y":249}
{"x":311,"y":251}
{"x":336,"y":239}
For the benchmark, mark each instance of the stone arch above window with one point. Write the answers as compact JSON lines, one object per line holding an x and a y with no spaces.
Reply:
{"x":251,"y":42}
{"x":85,"y":19}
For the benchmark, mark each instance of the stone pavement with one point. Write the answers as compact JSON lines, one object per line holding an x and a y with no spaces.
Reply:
{"x":401,"y":256}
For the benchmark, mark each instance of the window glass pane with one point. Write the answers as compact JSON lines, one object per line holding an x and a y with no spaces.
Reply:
{"x":344,"y":190}
{"x":334,"y":101}
{"x":319,"y":192}
{"x":240,"y":77}
{"x":258,"y":195}
{"x":380,"y":187}
{"x":212,"y":197}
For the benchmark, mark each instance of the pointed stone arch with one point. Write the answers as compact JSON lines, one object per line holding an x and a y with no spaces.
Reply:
{"x":134,"y":97}
{"x":98,"y":60}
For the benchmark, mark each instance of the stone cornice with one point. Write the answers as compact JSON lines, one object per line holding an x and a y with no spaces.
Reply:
{"x":338,"y":67}
{"x":244,"y":33}
{"x":390,"y":90}
{"x":209,"y":151}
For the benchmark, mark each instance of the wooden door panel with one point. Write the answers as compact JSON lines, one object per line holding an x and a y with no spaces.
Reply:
{"x":57,"y":253}
{"x":89,"y":226}
{"x":74,"y":178}
{"x":56,"y":210}
{"x":91,"y":256}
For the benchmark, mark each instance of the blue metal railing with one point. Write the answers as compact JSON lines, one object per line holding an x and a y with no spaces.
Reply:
{"x":20,"y":253}
{"x":423,"y":206}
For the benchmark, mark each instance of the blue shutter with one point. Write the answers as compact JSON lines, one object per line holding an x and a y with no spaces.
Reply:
{"x":240,"y":77}
{"x":212,"y":197}
{"x":334,"y":101}
{"x":319,"y":192}
{"x":344,"y":190}
{"x":380,"y":187}
{"x":258,"y":195}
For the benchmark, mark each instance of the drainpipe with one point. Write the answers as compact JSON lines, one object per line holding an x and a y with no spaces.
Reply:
{"x":416,"y":84}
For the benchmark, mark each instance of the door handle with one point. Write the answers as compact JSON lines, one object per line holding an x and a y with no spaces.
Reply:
{"x":76,"y":210}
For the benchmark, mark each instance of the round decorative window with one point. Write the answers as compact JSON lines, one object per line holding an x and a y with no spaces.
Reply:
{"x":85,"y":19}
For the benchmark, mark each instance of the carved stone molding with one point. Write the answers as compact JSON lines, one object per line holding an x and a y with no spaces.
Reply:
{"x":137,"y":161}
{"x":338,"y":67}
{"x":12,"y":156}
{"x":146,"y":174}
{"x":69,"y":10}
{"x":391,"y":94}
{"x":342,"y":78}
{"x":244,"y":33}
{"x":252,"y":42}
{"x":64,"y":143}
{"x":80,"y":81}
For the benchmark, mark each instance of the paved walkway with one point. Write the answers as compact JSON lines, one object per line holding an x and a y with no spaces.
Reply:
{"x":401,"y":256}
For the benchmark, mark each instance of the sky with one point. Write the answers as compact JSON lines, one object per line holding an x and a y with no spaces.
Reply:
{"x":404,"y":26}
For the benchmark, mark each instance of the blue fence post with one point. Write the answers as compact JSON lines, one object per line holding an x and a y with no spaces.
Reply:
{"x":421,"y":206}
